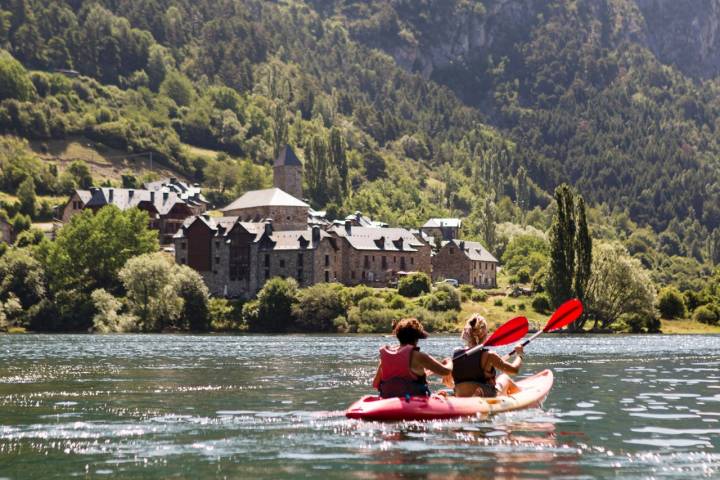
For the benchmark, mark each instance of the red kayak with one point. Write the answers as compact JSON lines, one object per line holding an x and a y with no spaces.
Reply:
{"x":533,"y":391}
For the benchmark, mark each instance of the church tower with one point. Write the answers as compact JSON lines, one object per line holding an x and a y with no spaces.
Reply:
{"x":288,"y":172}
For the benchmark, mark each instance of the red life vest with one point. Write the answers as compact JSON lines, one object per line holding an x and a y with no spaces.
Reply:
{"x":395,"y":362}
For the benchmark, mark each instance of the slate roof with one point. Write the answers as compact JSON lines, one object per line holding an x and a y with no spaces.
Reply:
{"x":380,"y":239}
{"x":184,"y":190}
{"x":443,"y":222}
{"x":474,"y":250}
{"x":280,"y":239}
{"x":125,"y":198}
{"x":287,"y":157}
{"x":265,"y":198}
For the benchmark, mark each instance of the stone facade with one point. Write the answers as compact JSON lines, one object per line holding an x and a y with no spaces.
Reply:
{"x":236,"y":258}
{"x":285,"y":211}
{"x":442,"y":228}
{"x":467,"y":262}
{"x":375,"y":256}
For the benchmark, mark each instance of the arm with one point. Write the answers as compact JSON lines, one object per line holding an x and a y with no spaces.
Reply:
{"x":425,"y":361}
{"x":501,"y":364}
{"x":376,"y":380}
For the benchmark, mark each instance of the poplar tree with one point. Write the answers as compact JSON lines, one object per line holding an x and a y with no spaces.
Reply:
{"x":339,"y":157}
{"x":570,"y":249}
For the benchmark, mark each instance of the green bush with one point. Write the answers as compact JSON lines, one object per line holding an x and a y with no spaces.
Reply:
{"x":226,"y":315}
{"x":434,"y":321}
{"x":414,"y":285}
{"x":523,"y":275}
{"x":498,"y":302}
{"x":318,"y":306}
{"x":444,"y":298}
{"x":637,"y":323}
{"x":478,"y":296}
{"x":466,"y":292}
{"x":541,"y":303}
{"x":510,"y":308}
{"x":396,"y":302}
{"x":706,"y":314}
{"x":357,"y":293}
{"x":371,"y":320}
{"x":522,"y":306}
{"x":275,"y":304}
{"x":671,"y":303}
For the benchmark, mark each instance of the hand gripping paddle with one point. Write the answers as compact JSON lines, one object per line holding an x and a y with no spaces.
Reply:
{"x":566,"y":313}
{"x":509,"y":332}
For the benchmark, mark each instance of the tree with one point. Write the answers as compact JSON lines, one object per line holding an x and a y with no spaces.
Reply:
{"x":28,"y":200}
{"x":339,"y":157}
{"x":14,"y":79}
{"x":81,"y":174}
{"x":414,"y":284}
{"x":671,"y":303}
{"x":570,"y":251}
{"x":618,"y":286}
{"x":88,"y":253}
{"x":280,"y":129}
{"x":275,"y":303}
{"x":23,"y":277}
{"x":189,"y":285}
{"x":529,"y":251}
{"x":151,"y":291}
{"x":178,"y":87}
{"x":319,"y":306}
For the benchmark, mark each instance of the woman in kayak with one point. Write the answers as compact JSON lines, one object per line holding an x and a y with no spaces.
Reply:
{"x":403,"y":368}
{"x":476,"y":374}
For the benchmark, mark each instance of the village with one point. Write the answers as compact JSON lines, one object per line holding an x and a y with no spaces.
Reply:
{"x":275,"y":233}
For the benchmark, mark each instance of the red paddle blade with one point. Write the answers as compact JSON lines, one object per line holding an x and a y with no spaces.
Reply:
{"x":509,"y":332}
{"x":566,"y":313}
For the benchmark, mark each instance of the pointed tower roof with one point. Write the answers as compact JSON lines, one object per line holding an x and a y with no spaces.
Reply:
{"x":287,"y":158}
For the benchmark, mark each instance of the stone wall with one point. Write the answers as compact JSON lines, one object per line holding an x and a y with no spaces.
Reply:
{"x":284,"y":218}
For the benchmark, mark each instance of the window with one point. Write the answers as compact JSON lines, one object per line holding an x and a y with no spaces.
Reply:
{"x":327,"y":276}
{"x":267,"y":260}
{"x":300,"y":259}
{"x":327,"y":260}
{"x":384,"y":262}
{"x":352,"y":274}
{"x":267,"y":274}
{"x":367,"y":261}
{"x":217,"y":260}
{"x":183,"y":245}
{"x":282,"y":263}
{"x":402,"y":263}
{"x":217,"y":244}
{"x":300,"y":275}
{"x":452,"y":250}
{"x":412,"y":260}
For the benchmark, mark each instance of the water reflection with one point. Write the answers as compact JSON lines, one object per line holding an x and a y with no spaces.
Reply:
{"x":160,"y":406}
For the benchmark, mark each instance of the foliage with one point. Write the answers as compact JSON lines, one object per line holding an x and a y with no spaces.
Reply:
{"x":414,"y":284}
{"x":541,"y":303}
{"x":225,"y":315}
{"x":707,"y":314}
{"x":275,"y":303}
{"x":107,"y":319}
{"x":619,"y":285}
{"x":671,"y":303}
{"x":318,"y":307}
{"x":22,"y":283}
{"x":14,"y":80}
{"x":443,"y":298}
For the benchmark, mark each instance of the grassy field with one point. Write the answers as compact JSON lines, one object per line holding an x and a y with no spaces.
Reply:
{"x":687,"y":326}
{"x":105,"y":163}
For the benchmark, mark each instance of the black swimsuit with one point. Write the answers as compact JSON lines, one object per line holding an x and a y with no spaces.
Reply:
{"x":469,"y":369}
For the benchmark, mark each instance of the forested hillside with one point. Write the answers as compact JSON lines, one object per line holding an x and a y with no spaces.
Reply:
{"x":402,"y":109}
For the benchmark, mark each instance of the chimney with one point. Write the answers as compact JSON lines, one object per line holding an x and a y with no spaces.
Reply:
{"x":111,"y":194}
{"x":165,"y":196}
{"x":462,"y":245}
{"x":348,"y":227}
{"x":152,"y":197}
{"x":268,"y":227}
{"x":316,"y":234}
{"x":173,"y":180}
{"x":131,"y":192}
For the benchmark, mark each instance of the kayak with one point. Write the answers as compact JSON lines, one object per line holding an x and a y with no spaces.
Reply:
{"x":533,"y":391}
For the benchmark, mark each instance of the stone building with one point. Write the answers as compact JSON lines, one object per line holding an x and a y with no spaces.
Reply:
{"x":467,"y":262}
{"x":442,"y":228}
{"x":288,"y":172}
{"x":236,"y":258}
{"x":286,"y":211}
{"x":166,"y":208}
{"x":375,"y":256}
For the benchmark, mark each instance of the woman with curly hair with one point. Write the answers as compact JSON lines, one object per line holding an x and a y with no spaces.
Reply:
{"x":404,"y":368}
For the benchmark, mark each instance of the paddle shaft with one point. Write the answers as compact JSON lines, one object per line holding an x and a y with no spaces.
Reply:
{"x":523,"y":344}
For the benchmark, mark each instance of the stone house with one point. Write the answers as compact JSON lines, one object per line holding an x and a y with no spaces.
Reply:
{"x":376,"y":256}
{"x":167,"y":210}
{"x":7,"y":234}
{"x":442,"y":228}
{"x":190,"y":194}
{"x":467,"y":262}
{"x":236,"y":258}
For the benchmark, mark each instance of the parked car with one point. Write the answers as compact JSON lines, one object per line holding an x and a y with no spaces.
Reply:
{"x":450,"y":281}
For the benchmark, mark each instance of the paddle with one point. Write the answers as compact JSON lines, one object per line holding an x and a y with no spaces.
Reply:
{"x":566,"y":313}
{"x":509,"y":332}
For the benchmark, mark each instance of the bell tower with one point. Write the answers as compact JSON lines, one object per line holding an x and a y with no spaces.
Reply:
{"x":288,"y":172}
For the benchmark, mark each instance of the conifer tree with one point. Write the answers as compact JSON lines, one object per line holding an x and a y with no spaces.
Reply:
{"x":562,"y":247}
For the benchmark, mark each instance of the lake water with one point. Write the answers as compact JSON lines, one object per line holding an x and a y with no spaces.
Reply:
{"x":157,"y":406}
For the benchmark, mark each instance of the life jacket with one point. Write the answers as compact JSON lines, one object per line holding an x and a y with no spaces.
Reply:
{"x":468,"y":368}
{"x":396,"y":379}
